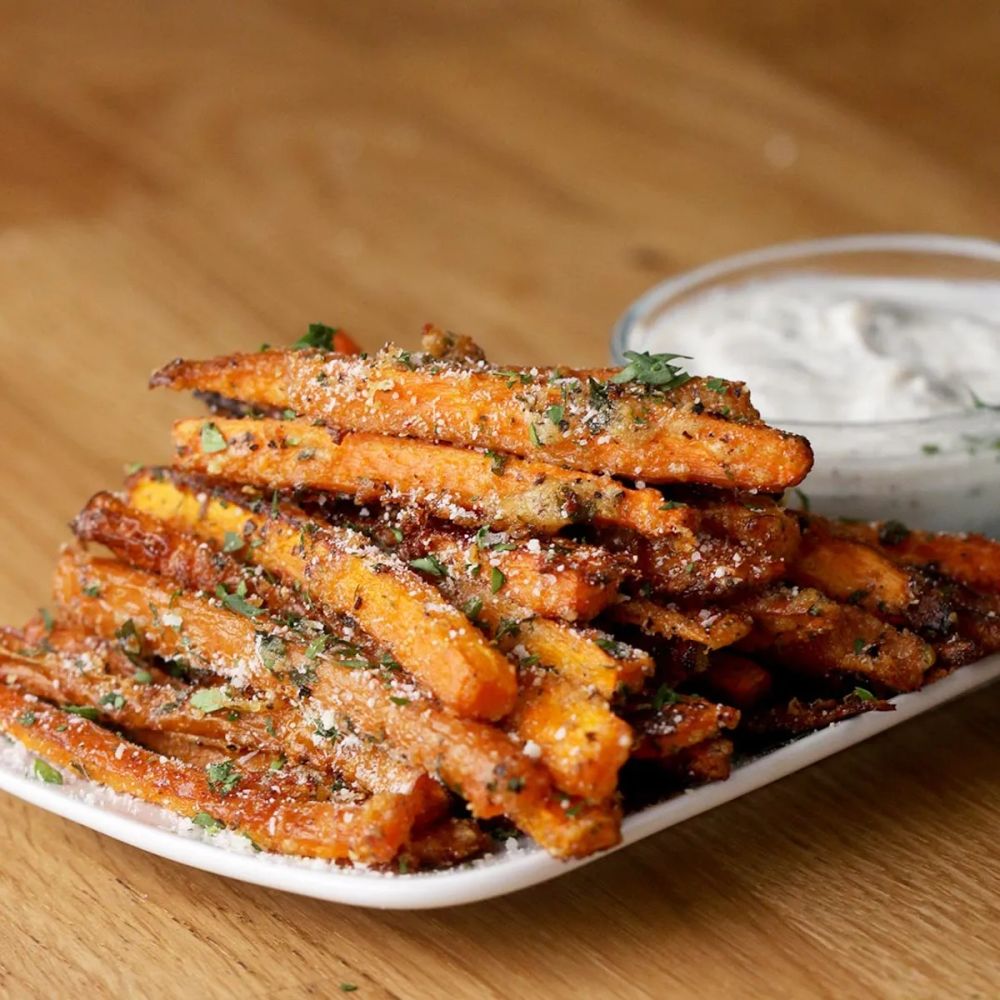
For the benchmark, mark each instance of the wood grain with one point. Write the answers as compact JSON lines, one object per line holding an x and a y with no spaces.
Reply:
{"x":192,"y":177}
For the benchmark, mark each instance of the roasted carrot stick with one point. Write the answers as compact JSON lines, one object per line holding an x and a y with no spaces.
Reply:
{"x":339,"y":568}
{"x":624,"y":429}
{"x":342,"y":697}
{"x":370,"y":832}
{"x":710,"y":627}
{"x":455,"y":484}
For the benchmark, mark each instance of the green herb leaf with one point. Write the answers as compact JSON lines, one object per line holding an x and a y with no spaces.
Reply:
{"x":497,"y":462}
{"x":673,"y":505}
{"x":223,"y":777}
{"x":653,"y":369}
{"x":47,"y":621}
{"x":931,"y":449}
{"x":271,"y":649}
{"x":497,"y":579}
{"x":232,"y":542}
{"x":212,"y":439}
{"x":278,"y":763}
{"x":515,"y":784}
{"x":397,"y":700}
{"x":210,"y":699}
{"x":208,"y":823}
{"x":48,"y":774}
{"x":429,"y":564}
{"x":237,"y":602}
{"x":26,"y":719}
{"x":617,"y":649}
{"x":859,"y":645}
{"x":327,"y":732}
{"x":92,"y":590}
{"x":555,"y":414}
{"x":716,"y":384}
{"x":320,"y":336}
{"x":863,"y":693}
{"x":893,"y":532}
{"x":142,"y":676}
{"x":114,"y":700}
{"x":316,"y":646}
{"x":665,"y":695}
{"x":533,"y":434}
{"x":348,"y":987}
{"x":84,"y":711}
{"x":472,"y":608}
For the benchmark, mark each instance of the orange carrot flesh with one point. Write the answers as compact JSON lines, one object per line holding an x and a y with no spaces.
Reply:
{"x":619,"y":429}
{"x":455,"y":484}
{"x":337,"y":566}
{"x":369,"y":832}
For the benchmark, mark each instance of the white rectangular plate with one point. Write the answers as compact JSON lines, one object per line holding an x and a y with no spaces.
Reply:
{"x":153,"y":829}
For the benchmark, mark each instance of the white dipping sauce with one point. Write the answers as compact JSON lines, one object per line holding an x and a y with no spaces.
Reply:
{"x":887,"y":377}
{"x":815,"y":348}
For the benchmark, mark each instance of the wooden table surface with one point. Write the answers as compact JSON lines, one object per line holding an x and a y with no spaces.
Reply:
{"x":191,"y":177}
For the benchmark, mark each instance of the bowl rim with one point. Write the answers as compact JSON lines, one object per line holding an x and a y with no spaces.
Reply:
{"x":971,"y":247}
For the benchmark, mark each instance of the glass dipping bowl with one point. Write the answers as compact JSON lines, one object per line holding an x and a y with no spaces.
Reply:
{"x":941,"y":472}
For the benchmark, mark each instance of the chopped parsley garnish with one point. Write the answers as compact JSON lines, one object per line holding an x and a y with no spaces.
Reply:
{"x":429,"y":564}
{"x":617,"y":649}
{"x":533,"y":434}
{"x":472,"y":608}
{"x":665,"y":695}
{"x":673,"y":505}
{"x":271,"y":649}
{"x":327,"y":732}
{"x":319,"y":335}
{"x":406,"y":360}
{"x":208,"y":823}
{"x":348,"y":987}
{"x":653,"y":369}
{"x":48,"y":774}
{"x":142,"y":676}
{"x":863,"y":693}
{"x":26,"y":719}
{"x":237,"y":601}
{"x":316,"y":646}
{"x":515,"y":784}
{"x":497,"y":462}
{"x":114,"y":700}
{"x":278,"y":763}
{"x":92,"y":590}
{"x":555,"y":414}
{"x":931,"y":449}
{"x":397,"y":700}
{"x":47,"y":621}
{"x":893,"y":532}
{"x":859,"y":645}
{"x":232,"y":542}
{"x":222,"y":777}
{"x":212,"y":439}
{"x":715,"y":384}
{"x":84,"y":711}
{"x":497,"y":579}
{"x":507,"y":626}
{"x":210,"y":699}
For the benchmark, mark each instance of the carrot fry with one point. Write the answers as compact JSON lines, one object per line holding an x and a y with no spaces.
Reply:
{"x":622,"y":429}
{"x":680,"y":724}
{"x":455,"y":484}
{"x":342,"y":698}
{"x":710,"y":627}
{"x":738,"y":680}
{"x":802,"y":717}
{"x":341,"y":569}
{"x":554,"y":579}
{"x":702,"y":763}
{"x":831,"y":639}
{"x":577,"y":736}
{"x":852,"y":571}
{"x":973,"y":560}
{"x":443,"y":345}
{"x":371,"y":832}
{"x":588,"y":657}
